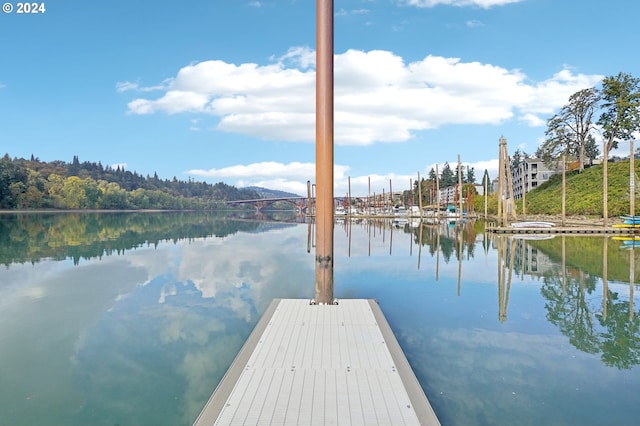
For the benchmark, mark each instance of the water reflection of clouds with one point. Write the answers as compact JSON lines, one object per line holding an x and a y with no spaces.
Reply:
{"x":131,"y":323}
{"x":154,"y":260}
{"x":181,"y":324}
{"x":198,"y":302}
{"x":25,"y":281}
{"x":40,"y":335}
{"x":265,"y":263}
{"x":167,"y":320}
{"x":176,"y":350}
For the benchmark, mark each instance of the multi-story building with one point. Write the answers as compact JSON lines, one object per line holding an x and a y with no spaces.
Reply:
{"x":535,"y":174}
{"x":449,"y":195}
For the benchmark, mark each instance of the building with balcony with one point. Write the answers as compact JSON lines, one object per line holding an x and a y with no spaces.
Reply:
{"x":535,"y":173}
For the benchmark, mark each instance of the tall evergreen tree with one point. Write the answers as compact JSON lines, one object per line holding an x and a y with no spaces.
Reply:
{"x":432,"y":175}
{"x":74,"y":168}
{"x":471,"y":175}
{"x":486,"y":181}
{"x":447,"y":178}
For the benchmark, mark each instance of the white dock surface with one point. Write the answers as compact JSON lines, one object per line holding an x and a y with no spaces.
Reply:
{"x":320,"y":365}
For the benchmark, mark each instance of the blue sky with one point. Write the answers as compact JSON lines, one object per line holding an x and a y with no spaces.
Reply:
{"x":223,"y":90}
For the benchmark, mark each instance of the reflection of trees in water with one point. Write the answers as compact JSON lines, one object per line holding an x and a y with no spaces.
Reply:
{"x":568,"y":308}
{"x":31,"y":237}
{"x":445,"y":239}
{"x":621,"y":337}
{"x":573,"y":269}
{"x":612,"y":332}
{"x":586,"y":254}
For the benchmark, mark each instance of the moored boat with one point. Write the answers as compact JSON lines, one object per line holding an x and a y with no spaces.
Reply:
{"x":533,"y":224}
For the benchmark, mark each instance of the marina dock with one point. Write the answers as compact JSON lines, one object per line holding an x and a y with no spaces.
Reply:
{"x":563,"y":230}
{"x":307,"y":364}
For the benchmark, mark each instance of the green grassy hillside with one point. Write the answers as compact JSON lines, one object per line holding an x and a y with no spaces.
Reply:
{"x":583,"y":195}
{"x":584,"y":192}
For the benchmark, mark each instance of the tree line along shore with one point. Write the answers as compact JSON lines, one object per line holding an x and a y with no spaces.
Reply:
{"x":33,"y":184}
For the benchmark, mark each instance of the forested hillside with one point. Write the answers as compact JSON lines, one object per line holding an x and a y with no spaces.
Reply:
{"x":35,"y":184}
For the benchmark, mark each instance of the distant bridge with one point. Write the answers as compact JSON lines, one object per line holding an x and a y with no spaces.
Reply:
{"x":299,"y":203}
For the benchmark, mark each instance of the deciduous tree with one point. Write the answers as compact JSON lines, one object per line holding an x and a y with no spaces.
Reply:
{"x":620,"y":118}
{"x":569,"y":130}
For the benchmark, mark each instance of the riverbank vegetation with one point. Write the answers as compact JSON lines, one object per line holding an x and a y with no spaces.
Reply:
{"x":571,"y":137}
{"x":584,"y":195}
{"x":35,"y":184}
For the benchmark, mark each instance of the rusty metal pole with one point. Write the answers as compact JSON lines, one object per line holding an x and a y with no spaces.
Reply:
{"x":324,"y":152}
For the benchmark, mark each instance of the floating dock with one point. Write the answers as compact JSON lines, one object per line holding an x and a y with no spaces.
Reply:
{"x":566,"y":230}
{"x":310,"y":364}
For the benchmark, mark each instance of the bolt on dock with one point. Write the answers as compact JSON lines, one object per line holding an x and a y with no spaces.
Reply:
{"x":307,"y":364}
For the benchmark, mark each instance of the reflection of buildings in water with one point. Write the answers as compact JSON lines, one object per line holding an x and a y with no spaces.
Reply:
{"x":519,"y":257}
{"x":528,"y":259}
{"x":516,"y":256}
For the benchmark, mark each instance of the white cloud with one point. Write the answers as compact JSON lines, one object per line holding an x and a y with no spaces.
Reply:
{"x":485,"y":4}
{"x":260,"y":170}
{"x":122,"y":166}
{"x":533,"y":120}
{"x":378,"y":97}
{"x":172,"y":102}
{"x":491,"y":166}
{"x":195,"y":125}
{"x":292,"y":177}
{"x":281,"y":184}
{"x":344,"y":12}
{"x":125,"y":86}
{"x":473,"y":23}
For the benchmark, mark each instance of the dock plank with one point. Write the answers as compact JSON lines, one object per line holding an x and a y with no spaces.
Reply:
{"x":320,"y":364}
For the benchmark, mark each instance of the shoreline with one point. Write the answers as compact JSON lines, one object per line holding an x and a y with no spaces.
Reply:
{"x":41,"y":211}
{"x":570,"y":220}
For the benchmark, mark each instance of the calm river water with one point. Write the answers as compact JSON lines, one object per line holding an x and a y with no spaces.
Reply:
{"x":132,"y":319}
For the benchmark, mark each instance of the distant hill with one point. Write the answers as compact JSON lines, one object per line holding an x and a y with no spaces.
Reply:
{"x":35,"y":184}
{"x":271,"y":193}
